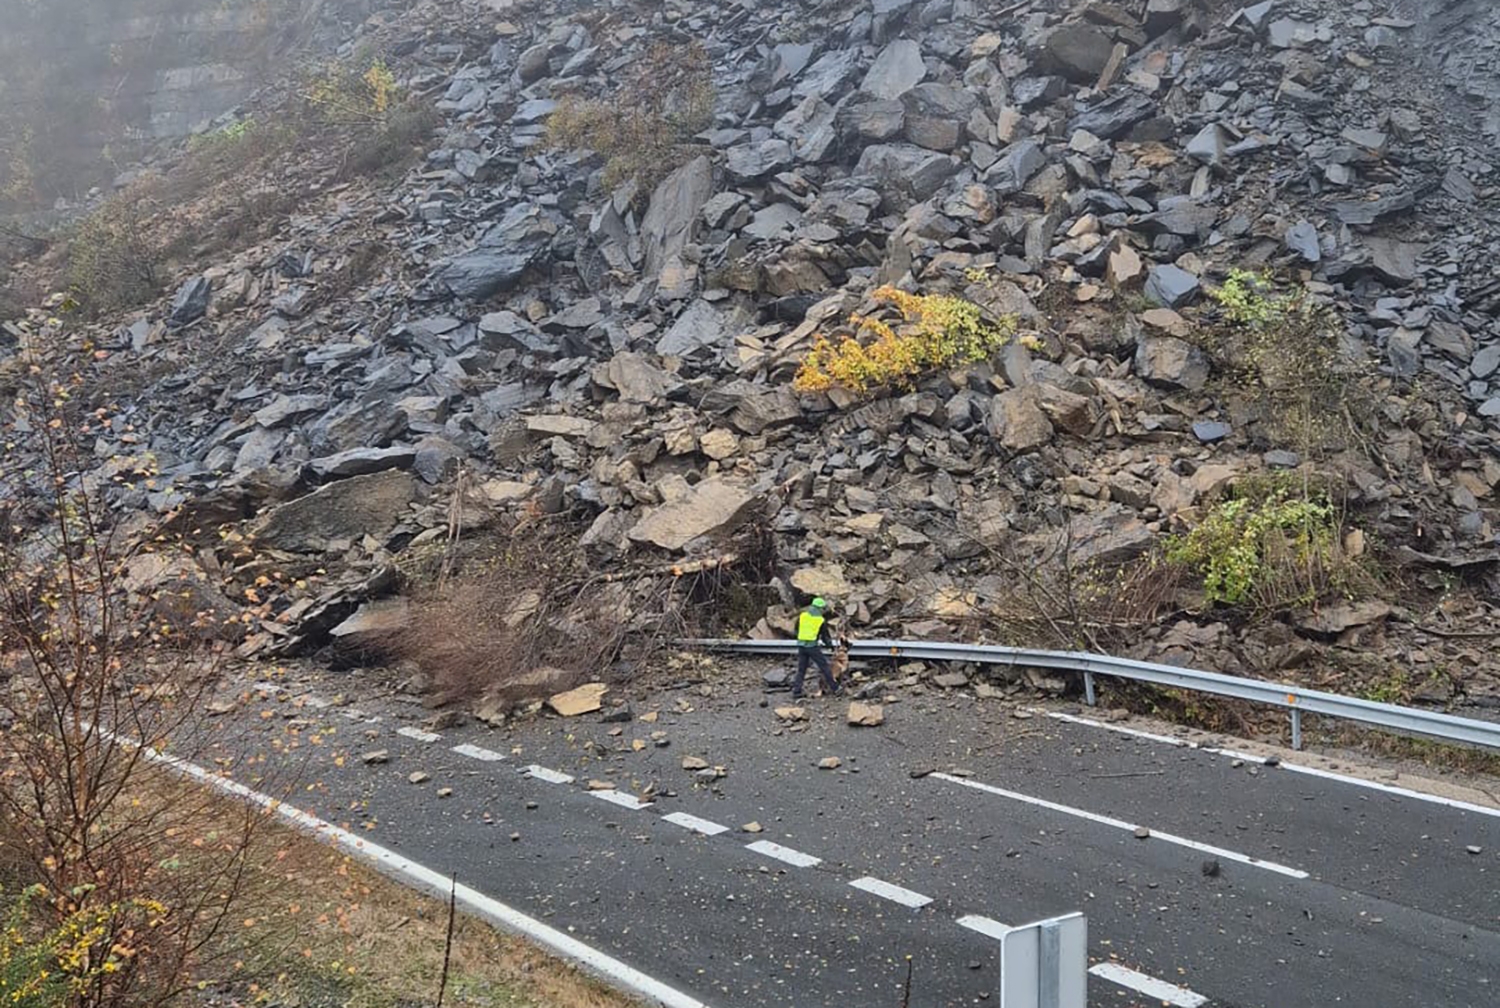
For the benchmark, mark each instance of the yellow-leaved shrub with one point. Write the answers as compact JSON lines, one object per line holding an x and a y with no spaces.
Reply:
{"x":935,"y":330}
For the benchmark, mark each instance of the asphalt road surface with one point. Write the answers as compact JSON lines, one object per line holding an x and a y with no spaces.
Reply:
{"x":1208,"y":877}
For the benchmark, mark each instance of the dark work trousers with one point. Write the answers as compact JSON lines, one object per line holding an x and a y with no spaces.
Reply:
{"x":817,"y":657}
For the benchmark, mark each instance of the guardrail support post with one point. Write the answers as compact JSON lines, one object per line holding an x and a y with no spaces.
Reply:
{"x":1088,"y":688}
{"x":1296,"y":728}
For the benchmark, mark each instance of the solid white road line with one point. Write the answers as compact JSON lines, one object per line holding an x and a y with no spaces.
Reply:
{"x":1156,"y":990}
{"x":1454,"y":803}
{"x":478,"y":752}
{"x":1121,"y":729}
{"x":795,"y":858}
{"x":894,"y":893}
{"x":421,"y":877}
{"x":550,"y":776}
{"x":985,"y":926}
{"x":419,"y":734}
{"x":1393,"y":789}
{"x":692,"y":822}
{"x":1228,"y":855}
{"x":621,"y":799}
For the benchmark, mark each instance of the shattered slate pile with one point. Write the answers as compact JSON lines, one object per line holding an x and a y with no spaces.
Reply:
{"x":1089,"y":167}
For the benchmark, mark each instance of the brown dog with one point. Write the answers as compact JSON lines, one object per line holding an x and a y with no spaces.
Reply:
{"x":840,"y":663}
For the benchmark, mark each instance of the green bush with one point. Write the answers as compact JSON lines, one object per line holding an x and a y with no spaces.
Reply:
{"x":111,"y":263}
{"x":1268,"y":554}
{"x":1284,"y":350}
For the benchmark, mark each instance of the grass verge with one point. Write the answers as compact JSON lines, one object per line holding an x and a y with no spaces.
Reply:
{"x":337,"y":934}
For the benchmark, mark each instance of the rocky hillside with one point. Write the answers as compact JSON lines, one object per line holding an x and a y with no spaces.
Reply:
{"x":522,"y":326}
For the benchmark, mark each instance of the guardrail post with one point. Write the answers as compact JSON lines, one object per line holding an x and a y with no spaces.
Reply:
{"x":1296,"y":728}
{"x":1088,"y":688}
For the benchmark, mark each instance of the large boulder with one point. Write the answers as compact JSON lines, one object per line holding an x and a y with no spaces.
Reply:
{"x":1078,"y":51}
{"x":345,"y":510}
{"x":501,"y":256}
{"x":190,"y":303}
{"x":897,"y":70}
{"x":674,"y":210}
{"x":713,"y":507}
{"x":1018,"y":421}
{"x":907,"y":167}
{"x":1171,"y":286}
{"x":1168,"y":362}
{"x":361,"y":462}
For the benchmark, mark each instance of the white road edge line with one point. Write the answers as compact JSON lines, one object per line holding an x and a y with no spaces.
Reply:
{"x":1121,"y":729}
{"x":1393,"y":789}
{"x":688,"y":821}
{"x":421,"y":877}
{"x":894,"y":893}
{"x":1156,"y":990}
{"x":795,"y":858}
{"x":1454,"y":803}
{"x":621,"y":799}
{"x":478,"y":752}
{"x":1121,"y":824}
{"x":550,"y":776}
{"x":419,"y":734}
{"x":984,"y":925}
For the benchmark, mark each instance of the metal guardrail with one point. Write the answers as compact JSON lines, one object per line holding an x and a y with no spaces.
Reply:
{"x":1294,"y":699}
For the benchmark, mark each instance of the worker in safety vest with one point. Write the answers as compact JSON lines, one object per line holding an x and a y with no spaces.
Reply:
{"x":812,"y":632}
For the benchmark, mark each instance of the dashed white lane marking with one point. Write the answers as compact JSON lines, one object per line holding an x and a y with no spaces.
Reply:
{"x":621,"y":799}
{"x":985,"y":926}
{"x":478,"y":752}
{"x":894,"y":893}
{"x":1156,"y":990}
{"x":419,"y":876}
{"x":1121,"y":824}
{"x":541,"y":773}
{"x":795,"y":858}
{"x":1453,"y":803}
{"x":692,"y":822}
{"x":419,"y":734}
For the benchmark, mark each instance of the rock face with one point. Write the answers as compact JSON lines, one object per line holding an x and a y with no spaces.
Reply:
{"x":163,"y":68}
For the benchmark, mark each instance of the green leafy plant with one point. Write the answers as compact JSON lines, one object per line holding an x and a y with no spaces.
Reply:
{"x":1284,"y":349}
{"x":74,"y":961}
{"x":935,"y":330}
{"x":1245,"y":300}
{"x":1268,"y":555}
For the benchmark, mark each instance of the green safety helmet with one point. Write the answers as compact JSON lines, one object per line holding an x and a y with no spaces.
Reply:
{"x":818,"y":603}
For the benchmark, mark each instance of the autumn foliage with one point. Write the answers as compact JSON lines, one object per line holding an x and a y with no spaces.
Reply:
{"x":118,"y":881}
{"x":934,"y":330}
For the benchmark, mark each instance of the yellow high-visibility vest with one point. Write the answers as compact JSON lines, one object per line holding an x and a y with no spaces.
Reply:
{"x":808,"y":626}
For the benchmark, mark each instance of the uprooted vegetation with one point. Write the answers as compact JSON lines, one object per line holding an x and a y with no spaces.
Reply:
{"x":518,"y":612}
{"x":644,"y":129}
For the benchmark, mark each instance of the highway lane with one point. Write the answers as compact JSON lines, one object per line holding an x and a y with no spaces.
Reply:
{"x":1394,"y":909}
